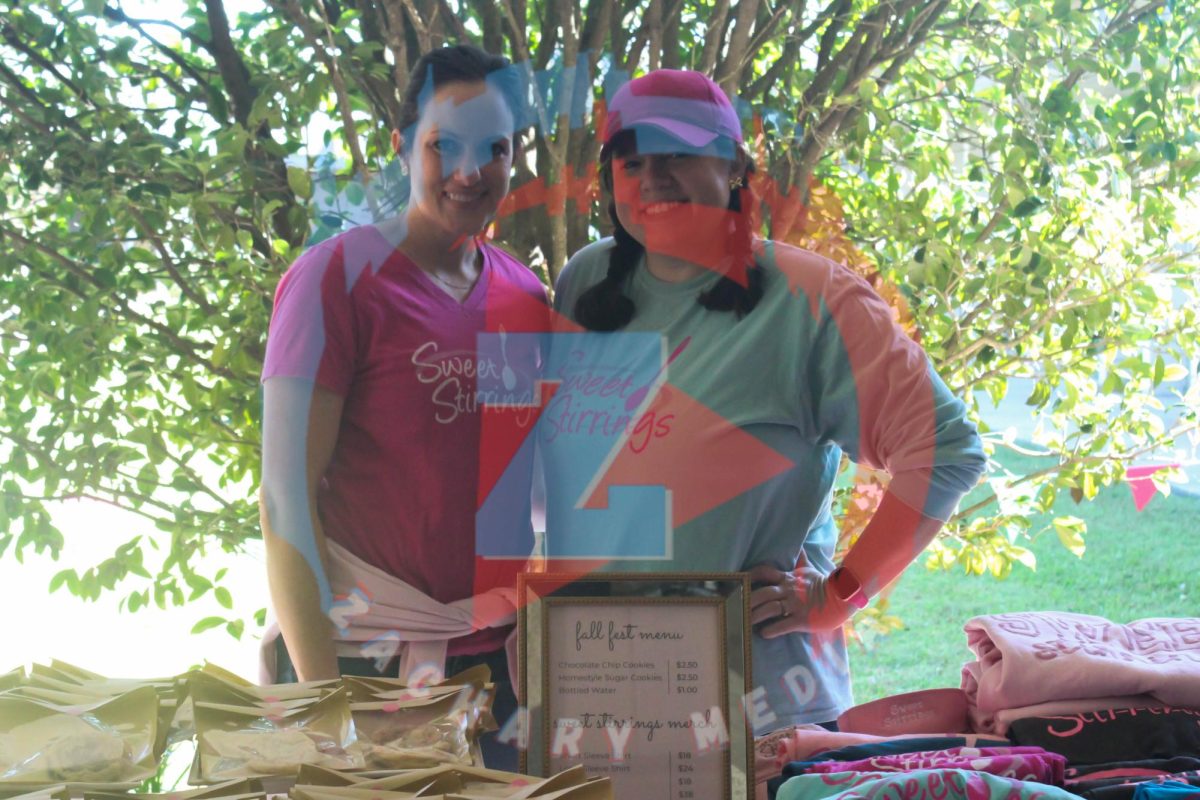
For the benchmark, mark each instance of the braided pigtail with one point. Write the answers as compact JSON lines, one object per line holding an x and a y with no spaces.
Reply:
{"x":728,"y":294}
{"x":605,"y":306}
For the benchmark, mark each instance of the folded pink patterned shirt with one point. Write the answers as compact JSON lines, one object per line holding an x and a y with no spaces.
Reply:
{"x":1022,"y":763}
{"x":1037,"y":657}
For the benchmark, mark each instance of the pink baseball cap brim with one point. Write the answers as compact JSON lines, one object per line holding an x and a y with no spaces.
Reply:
{"x":685,"y":105}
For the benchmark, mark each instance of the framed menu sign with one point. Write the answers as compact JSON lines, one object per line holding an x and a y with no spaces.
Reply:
{"x":639,"y":678}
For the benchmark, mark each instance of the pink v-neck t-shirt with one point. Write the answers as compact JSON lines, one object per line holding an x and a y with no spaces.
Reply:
{"x":359,"y":318}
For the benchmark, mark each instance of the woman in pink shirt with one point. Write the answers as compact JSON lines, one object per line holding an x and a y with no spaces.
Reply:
{"x":373,"y":386}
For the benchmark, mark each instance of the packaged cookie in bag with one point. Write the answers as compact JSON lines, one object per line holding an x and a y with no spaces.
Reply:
{"x":422,"y":731}
{"x":107,"y":741}
{"x":257,"y":740}
{"x":76,"y":682}
{"x":182,"y":725}
{"x":408,"y":727}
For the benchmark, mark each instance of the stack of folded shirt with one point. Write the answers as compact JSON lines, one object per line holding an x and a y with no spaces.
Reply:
{"x":966,"y":772}
{"x":1075,"y":705}
{"x":774,"y":751}
{"x":1040,"y":664}
{"x":1121,"y":780}
{"x":1120,"y":702}
{"x":926,"y":784}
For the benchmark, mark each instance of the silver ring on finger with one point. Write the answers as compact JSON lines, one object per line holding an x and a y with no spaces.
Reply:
{"x":783,"y":612}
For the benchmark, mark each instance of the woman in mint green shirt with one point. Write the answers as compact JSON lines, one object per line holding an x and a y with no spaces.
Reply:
{"x":708,"y":384}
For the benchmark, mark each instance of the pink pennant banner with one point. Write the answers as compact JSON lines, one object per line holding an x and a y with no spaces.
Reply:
{"x":1140,"y":483}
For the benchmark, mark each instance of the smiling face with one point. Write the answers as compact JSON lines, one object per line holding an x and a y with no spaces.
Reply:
{"x":675,"y":200}
{"x":657,"y":187}
{"x":460,"y":159}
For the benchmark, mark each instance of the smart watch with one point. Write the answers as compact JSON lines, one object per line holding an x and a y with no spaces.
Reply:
{"x":847,"y":588}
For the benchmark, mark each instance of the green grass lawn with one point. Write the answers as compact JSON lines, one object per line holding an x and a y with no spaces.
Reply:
{"x":1136,"y":565}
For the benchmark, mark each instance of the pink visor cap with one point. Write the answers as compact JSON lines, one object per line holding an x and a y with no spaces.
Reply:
{"x":686,"y":105}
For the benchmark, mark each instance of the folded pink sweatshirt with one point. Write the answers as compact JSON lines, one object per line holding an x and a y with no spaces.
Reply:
{"x":1038,"y":657}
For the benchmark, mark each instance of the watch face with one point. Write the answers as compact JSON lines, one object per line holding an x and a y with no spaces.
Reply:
{"x":847,"y":588}
{"x":844,"y":584}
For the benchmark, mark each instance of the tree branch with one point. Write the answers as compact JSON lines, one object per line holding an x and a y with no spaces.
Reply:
{"x":30,"y":121}
{"x":117,"y":15}
{"x":86,"y":496}
{"x":765,"y":33}
{"x":169,"y":265}
{"x":10,"y":36}
{"x":654,"y":33}
{"x":1171,"y":435}
{"x":460,"y":30}
{"x":729,"y":74}
{"x":230,"y":65}
{"x":422,"y":30}
{"x":837,"y":16}
{"x":330,"y":61}
{"x":491,"y":22}
{"x":786,"y":61}
{"x":516,"y":33}
{"x":14,"y":80}
{"x":186,"y":347}
{"x":595,"y":22}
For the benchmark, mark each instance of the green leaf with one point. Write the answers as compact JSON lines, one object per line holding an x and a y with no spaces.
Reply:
{"x":1024,"y":556}
{"x":147,"y":479}
{"x":66,"y":576}
{"x":300,"y":182}
{"x":1088,"y":485}
{"x":223,"y":596}
{"x":1174,"y":372}
{"x":1046,"y":497}
{"x":235,"y":628}
{"x":1070,"y":532}
{"x":198,"y":585}
{"x":1039,"y":396}
{"x":207,"y":624}
{"x":1027,"y":206}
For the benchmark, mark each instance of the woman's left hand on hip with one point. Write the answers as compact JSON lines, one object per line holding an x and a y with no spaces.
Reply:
{"x":794,"y":602}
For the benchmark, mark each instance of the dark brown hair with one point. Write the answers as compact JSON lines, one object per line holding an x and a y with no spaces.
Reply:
{"x":604,"y":306}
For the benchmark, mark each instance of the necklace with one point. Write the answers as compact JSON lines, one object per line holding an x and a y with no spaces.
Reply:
{"x":452,"y":285}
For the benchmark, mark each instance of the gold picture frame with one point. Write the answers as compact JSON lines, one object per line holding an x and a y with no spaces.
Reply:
{"x":640,"y":677}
